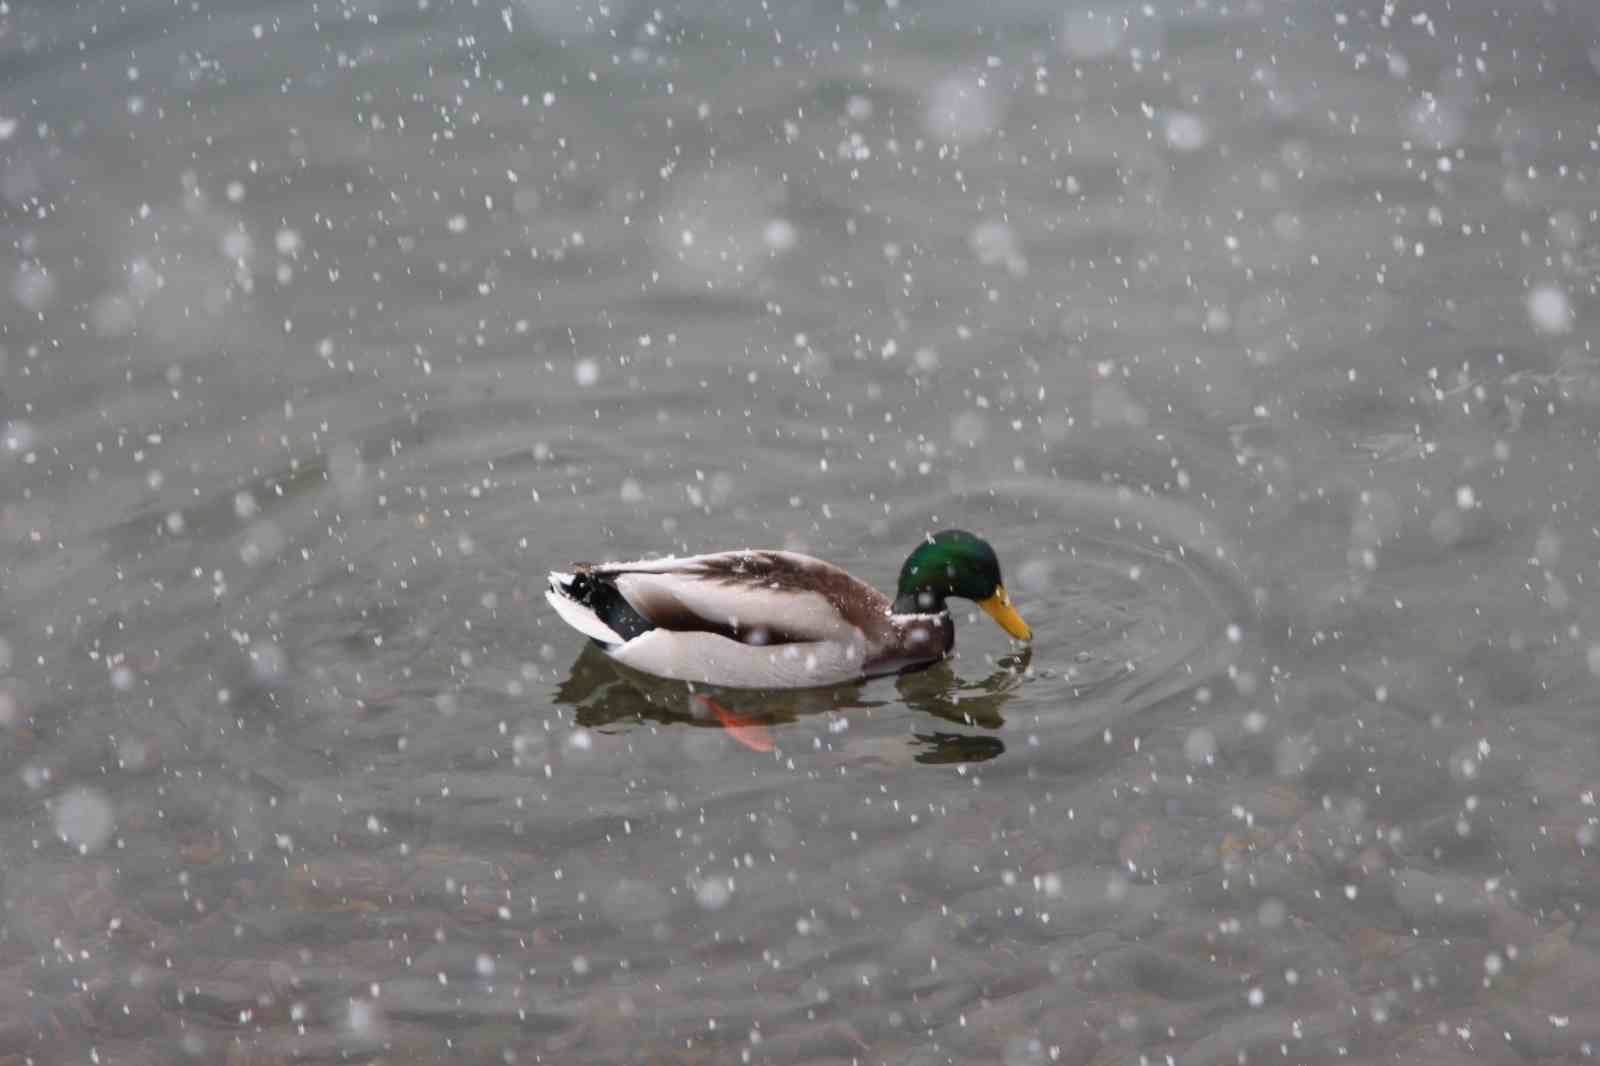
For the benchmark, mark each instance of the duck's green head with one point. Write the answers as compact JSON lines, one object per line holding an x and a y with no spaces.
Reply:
{"x":954,"y":562}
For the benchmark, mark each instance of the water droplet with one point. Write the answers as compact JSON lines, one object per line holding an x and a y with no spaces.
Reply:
{"x":262,"y":542}
{"x":780,"y":235}
{"x":713,"y":893}
{"x":1436,"y":122}
{"x":237,"y":245}
{"x":122,"y":678}
{"x":17,"y":437}
{"x":995,"y":243}
{"x":287,"y":242}
{"x":84,"y":819}
{"x":718,"y":228}
{"x":1035,"y":578}
{"x":34,"y":288}
{"x":1550,"y":310}
{"x":1186,"y":132}
{"x":1024,"y":1051}
{"x":1200,"y":746}
{"x":268,"y":662}
{"x":363,"y":1021}
{"x":962,"y":110}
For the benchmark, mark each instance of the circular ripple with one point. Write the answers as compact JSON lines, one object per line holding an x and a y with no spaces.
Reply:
{"x":1132,"y":597}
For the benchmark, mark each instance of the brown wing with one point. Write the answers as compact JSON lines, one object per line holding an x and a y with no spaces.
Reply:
{"x":755,"y":597}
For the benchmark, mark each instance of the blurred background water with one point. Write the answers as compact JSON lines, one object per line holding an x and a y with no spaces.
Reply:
{"x":1257,"y":336}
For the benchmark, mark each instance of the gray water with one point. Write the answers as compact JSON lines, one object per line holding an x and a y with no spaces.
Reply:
{"x":1259,"y":338}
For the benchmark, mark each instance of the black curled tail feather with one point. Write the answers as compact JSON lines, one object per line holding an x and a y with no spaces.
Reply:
{"x":608,"y":604}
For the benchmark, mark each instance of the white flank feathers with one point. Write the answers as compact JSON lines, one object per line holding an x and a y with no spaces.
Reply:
{"x":712,"y":659}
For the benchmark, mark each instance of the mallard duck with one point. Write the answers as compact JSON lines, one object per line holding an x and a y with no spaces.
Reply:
{"x":779,"y":619}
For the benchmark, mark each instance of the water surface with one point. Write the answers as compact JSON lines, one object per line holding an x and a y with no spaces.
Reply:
{"x":1258,"y":339}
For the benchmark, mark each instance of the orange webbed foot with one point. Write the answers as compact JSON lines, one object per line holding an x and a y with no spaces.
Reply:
{"x":747,"y":731}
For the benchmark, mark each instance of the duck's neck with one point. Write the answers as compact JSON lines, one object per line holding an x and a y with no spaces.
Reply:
{"x":920,"y":603}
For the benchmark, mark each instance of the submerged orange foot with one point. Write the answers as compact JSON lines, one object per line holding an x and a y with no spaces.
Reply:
{"x":747,"y":731}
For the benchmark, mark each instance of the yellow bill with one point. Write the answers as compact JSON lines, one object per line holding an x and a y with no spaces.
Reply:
{"x":999,"y":608}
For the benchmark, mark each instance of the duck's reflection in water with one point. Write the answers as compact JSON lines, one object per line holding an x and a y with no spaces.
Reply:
{"x":603,"y":693}
{"x":972,"y":704}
